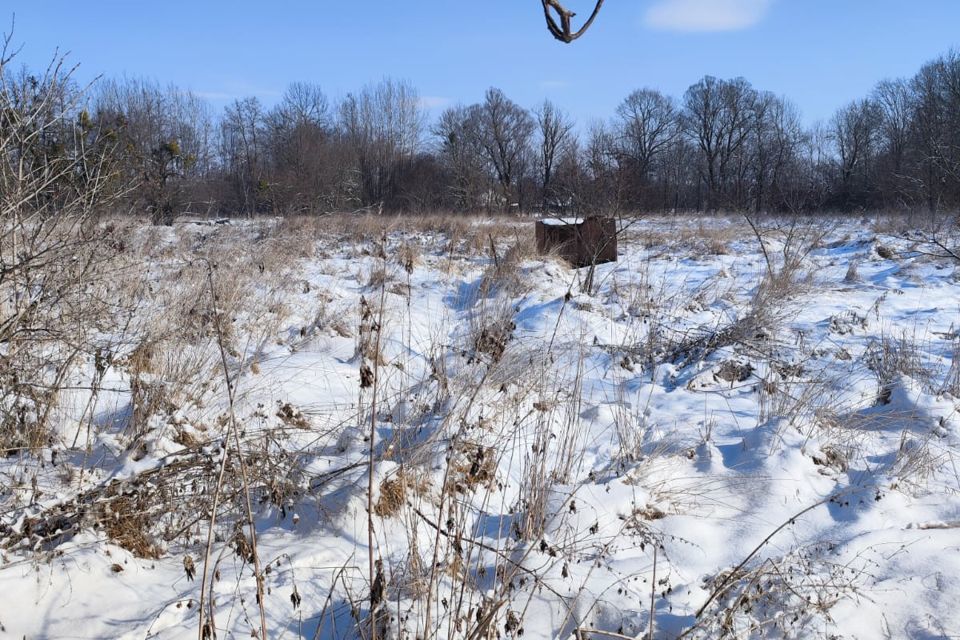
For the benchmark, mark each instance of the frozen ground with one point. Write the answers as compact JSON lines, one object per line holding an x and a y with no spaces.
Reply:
{"x":735,"y":452}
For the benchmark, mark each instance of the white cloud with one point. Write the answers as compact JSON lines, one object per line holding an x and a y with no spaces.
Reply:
{"x":434,"y":102}
{"x":706,"y":15}
{"x":238,"y":91}
{"x":217,"y":96}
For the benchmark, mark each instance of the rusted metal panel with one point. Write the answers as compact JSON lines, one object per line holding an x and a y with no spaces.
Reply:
{"x":579,"y":241}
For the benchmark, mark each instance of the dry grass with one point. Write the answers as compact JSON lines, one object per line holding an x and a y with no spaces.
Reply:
{"x":127,"y":524}
{"x":493,"y":434}
{"x":786,"y":596}
{"x":395,"y":491}
{"x":694,"y":238}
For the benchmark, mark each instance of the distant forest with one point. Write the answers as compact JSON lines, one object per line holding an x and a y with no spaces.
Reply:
{"x":722,"y":146}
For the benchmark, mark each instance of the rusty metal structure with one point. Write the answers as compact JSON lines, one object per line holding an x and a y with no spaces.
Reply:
{"x":580,"y":241}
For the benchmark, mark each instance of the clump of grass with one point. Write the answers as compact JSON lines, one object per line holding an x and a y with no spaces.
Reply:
{"x":505,"y":275}
{"x":787,"y":594}
{"x":493,"y":337}
{"x":127,"y":524}
{"x":885,"y":252}
{"x":951,"y":382}
{"x":853,"y":274}
{"x":378,"y":276}
{"x":890,"y":357}
{"x":409,"y":255}
{"x":472,"y":466}
{"x":396,"y":490}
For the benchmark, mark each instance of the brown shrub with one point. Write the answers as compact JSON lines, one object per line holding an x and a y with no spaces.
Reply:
{"x":394,"y":492}
{"x":126,"y":524}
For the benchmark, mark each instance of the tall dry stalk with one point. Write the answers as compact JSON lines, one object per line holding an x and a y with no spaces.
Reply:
{"x":251,"y":522}
{"x":372,"y":328}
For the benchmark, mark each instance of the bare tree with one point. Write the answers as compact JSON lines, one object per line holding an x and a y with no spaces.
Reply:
{"x":242,"y":148}
{"x":556,"y":134}
{"x":776,"y":136}
{"x":304,"y":102}
{"x":647,"y":123}
{"x":503,"y":129}
{"x":166,"y":135}
{"x":462,"y":157}
{"x":58,"y":173}
{"x":894,"y":104}
{"x":936,"y":130}
{"x":605,"y":192}
{"x":383,"y":125}
{"x":717,"y":116}
{"x":725,"y":144}
{"x":855,"y":130}
{"x":302,"y":160}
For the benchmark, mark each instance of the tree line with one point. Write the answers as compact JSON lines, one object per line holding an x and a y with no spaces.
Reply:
{"x":722,"y":146}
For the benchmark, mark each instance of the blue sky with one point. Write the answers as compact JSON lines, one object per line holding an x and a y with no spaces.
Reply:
{"x":820,"y":53}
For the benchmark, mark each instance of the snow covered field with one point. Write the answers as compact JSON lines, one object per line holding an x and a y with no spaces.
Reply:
{"x":736,"y":442}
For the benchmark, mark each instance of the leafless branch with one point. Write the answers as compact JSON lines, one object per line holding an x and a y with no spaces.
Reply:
{"x":552,"y":10}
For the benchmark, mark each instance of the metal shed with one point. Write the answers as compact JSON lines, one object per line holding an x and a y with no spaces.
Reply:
{"x":580,"y":241}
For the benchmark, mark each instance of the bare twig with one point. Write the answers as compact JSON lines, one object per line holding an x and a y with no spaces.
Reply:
{"x":564,"y":31}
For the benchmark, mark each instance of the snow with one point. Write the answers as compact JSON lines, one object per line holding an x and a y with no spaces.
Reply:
{"x":561,"y":222}
{"x":824,"y":460}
